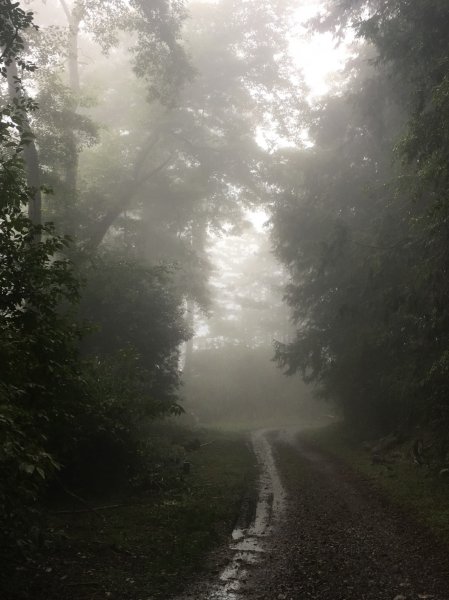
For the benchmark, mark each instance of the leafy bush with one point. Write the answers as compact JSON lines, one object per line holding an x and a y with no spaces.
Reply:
{"x":131,"y":370}
{"x":40,"y":378}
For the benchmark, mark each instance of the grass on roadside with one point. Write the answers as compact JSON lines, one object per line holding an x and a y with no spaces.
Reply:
{"x":150,"y":546}
{"x":418,"y":490}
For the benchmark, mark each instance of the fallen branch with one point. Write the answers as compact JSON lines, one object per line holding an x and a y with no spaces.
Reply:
{"x":87,"y":583}
{"x":207,"y":443}
{"x":90,"y":509}
{"x":75,"y":511}
{"x":81,"y":500}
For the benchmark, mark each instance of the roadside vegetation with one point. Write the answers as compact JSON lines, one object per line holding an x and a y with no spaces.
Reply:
{"x":390,"y":465}
{"x":124,"y":543}
{"x":361,"y":225}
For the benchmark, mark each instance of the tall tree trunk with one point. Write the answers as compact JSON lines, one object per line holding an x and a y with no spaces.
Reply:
{"x":197,"y":241}
{"x":188,"y":356}
{"x":30,"y":154}
{"x":31,"y":158}
{"x":74,"y":18}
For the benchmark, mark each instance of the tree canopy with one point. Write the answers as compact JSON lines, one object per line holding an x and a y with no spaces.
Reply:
{"x":362,"y":229}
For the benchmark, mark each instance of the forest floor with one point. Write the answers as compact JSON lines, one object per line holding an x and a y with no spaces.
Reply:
{"x":323,"y":523}
{"x":336,"y":531}
{"x":145,"y":546}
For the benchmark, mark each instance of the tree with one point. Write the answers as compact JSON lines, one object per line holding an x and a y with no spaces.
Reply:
{"x":366,"y":245}
{"x":38,"y":353}
{"x":56,"y":406}
{"x":159,"y":176}
{"x":345,"y":248}
{"x":14,"y":22}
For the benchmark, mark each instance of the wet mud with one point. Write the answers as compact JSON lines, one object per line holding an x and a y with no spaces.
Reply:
{"x":251,"y":538}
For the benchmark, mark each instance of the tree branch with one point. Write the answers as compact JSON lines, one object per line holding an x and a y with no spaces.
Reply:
{"x":66,"y":9}
{"x":131,"y":188}
{"x":155,"y":170}
{"x":374,"y":247}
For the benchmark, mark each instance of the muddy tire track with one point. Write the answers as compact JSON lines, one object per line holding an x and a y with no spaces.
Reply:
{"x":250,"y":540}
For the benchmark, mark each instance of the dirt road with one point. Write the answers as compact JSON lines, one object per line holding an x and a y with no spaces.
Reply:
{"x":321,"y":532}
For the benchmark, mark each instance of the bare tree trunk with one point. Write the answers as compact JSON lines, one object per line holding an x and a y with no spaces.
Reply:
{"x":74,"y":76}
{"x":74,"y":18}
{"x":74,"y":81}
{"x":190,"y":319}
{"x":197,"y":240}
{"x":31,"y":158}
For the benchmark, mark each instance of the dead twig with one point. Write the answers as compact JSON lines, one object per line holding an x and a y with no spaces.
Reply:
{"x":207,"y":443}
{"x":85,"y":583}
{"x":88,"y":508}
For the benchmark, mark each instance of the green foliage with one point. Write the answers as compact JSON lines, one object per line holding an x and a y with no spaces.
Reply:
{"x":363,"y":230}
{"x":153,"y":543}
{"x":13,"y":112}
{"x":138,"y":316}
{"x":38,"y":336}
{"x":14,"y":21}
{"x":58,"y":412}
{"x":158,"y":28}
{"x":38,"y":354}
{"x":332,"y":232}
{"x":130,"y":371}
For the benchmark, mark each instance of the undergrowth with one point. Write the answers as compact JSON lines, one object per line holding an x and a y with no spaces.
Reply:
{"x":148,"y":544}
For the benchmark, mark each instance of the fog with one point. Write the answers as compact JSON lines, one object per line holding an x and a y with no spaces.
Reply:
{"x":237,"y":183}
{"x":230,"y":377}
{"x":155,"y":133}
{"x":217,"y":214}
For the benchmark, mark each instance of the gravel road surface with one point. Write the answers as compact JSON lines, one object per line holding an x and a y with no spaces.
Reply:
{"x":321,"y":532}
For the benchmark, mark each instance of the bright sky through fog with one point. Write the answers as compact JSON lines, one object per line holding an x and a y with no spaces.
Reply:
{"x":319,"y":58}
{"x":318,"y":55}
{"x":259,"y":218}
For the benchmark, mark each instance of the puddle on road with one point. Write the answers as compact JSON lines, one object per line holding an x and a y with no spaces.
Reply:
{"x":248,"y":545}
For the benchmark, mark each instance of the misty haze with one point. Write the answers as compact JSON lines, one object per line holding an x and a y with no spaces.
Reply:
{"x":224,"y":300}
